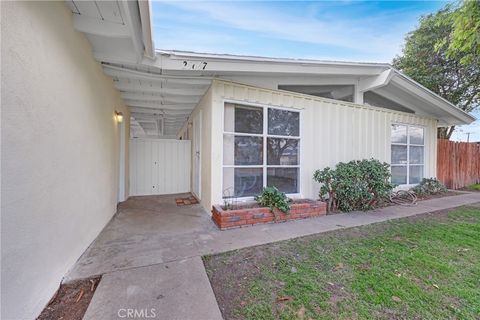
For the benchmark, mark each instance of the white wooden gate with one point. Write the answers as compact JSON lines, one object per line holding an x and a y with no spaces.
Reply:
{"x":159,"y":166}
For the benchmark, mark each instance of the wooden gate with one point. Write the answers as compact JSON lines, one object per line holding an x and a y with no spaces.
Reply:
{"x":458,"y":163}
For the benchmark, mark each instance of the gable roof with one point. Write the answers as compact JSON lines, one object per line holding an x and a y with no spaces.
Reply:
{"x":168,"y":84}
{"x":371,"y":76}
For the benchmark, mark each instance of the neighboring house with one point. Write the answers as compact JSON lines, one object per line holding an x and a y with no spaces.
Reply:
{"x":244,"y":123}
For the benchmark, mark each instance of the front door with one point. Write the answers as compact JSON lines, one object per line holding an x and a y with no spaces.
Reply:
{"x":197,"y":145}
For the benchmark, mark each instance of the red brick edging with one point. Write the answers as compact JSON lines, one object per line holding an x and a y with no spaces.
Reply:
{"x":227,"y":219}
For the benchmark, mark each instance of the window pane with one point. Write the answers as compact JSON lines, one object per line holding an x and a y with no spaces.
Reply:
{"x":282,"y":151}
{"x":283,"y":122}
{"x":416,"y":135}
{"x":243,"y":119}
{"x":416,"y":174}
{"x":416,"y":155}
{"x":399,"y":133}
{"x":242,"y":182}
{"x":240,"y":150}
{"x":285,"y":179}
{"x":399,"y":154}
{"x":399,"y":175}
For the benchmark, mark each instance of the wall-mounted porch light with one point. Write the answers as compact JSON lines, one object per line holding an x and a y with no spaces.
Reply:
{"x":119,"y":116}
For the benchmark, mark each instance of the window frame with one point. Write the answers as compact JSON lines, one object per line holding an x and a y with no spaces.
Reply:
{"x":265,"y":136}
{"x":408,"y":145}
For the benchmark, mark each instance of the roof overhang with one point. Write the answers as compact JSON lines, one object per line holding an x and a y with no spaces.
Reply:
{"x":448,"y":114}
{"x":118,"y":30}
{"x":169,"y":84}
{"x":371,"y":77}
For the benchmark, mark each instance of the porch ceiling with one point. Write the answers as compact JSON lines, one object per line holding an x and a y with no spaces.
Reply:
{"x":152,"y":94}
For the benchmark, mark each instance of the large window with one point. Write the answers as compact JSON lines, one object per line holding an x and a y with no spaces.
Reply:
{"x":260,"y":148}
{"x":407,"y":161}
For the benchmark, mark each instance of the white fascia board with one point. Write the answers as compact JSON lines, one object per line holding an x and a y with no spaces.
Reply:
{"x":420,"y":91}
{"x":186,"y":54}
{"x":375,"y":82}
{"x":131,"y":16}
{"x":145,"y":9}
{"x":208,"y":65}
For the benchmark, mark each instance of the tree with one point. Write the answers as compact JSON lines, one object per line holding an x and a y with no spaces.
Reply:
{"x":465,"y":37}
{"x":435,"y":55}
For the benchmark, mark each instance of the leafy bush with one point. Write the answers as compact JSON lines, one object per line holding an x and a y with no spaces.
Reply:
{"x":273,"y":198}
{"x":429,"y":186}
{"x":355,"y":185}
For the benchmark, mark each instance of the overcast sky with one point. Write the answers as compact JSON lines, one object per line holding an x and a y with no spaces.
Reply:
{"x":329,"y":30}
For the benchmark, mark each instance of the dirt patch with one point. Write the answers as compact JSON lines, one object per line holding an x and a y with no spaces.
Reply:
{"x":228,"y":283}
{"x":387,"y":203}
{"x":71,"y":300}
{"x":440,"y":195}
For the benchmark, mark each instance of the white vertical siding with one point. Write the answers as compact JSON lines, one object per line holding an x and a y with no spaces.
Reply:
{"x":205,"y":106}
{"x":332,"y":131}
{"x":159,"y":166}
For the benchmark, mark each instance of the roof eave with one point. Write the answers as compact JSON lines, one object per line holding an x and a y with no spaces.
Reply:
{"x":409,"y":84}
{"x":145,"y":9}
{"x":454,"y":115}
{"x":241,"y":58}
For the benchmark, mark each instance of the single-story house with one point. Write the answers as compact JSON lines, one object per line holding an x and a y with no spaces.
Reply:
{"x":93,"y":114}
{"x":267,"y":121}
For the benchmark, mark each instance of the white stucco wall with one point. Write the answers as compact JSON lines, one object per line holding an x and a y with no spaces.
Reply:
{"x":331,"y":131}
{"x":59,"y":152}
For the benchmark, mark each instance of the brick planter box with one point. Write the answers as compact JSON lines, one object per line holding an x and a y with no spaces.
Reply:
{"x":227,"y":219}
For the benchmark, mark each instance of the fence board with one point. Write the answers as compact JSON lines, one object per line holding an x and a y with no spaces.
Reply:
{"x":458,"y":163}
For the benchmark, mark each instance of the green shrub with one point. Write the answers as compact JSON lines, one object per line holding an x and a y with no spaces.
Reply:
{"x":355,"y":185}
{"x":428,"y":187}
{"x":273,"y":198}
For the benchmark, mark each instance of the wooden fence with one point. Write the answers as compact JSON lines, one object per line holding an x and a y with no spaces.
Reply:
{"x":458,"y":163}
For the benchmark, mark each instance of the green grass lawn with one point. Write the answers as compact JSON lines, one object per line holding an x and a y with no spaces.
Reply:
{"x":425,"y":267}
{"x":474,"y":187}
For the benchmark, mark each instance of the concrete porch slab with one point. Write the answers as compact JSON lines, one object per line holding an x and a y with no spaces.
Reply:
{"x":177,"y":290}
{"x":150,"y":253}
{"x":150,"y":231}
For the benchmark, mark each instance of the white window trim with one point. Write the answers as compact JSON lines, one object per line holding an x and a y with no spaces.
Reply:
{"x":265,"y":135}
{"x":408,"y":144}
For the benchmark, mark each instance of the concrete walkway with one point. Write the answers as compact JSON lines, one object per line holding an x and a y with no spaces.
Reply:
{"x":149,"y":254}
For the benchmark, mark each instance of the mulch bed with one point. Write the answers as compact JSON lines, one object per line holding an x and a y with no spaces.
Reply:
{"x":71,"y":300}
{"x":186,"y":201}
